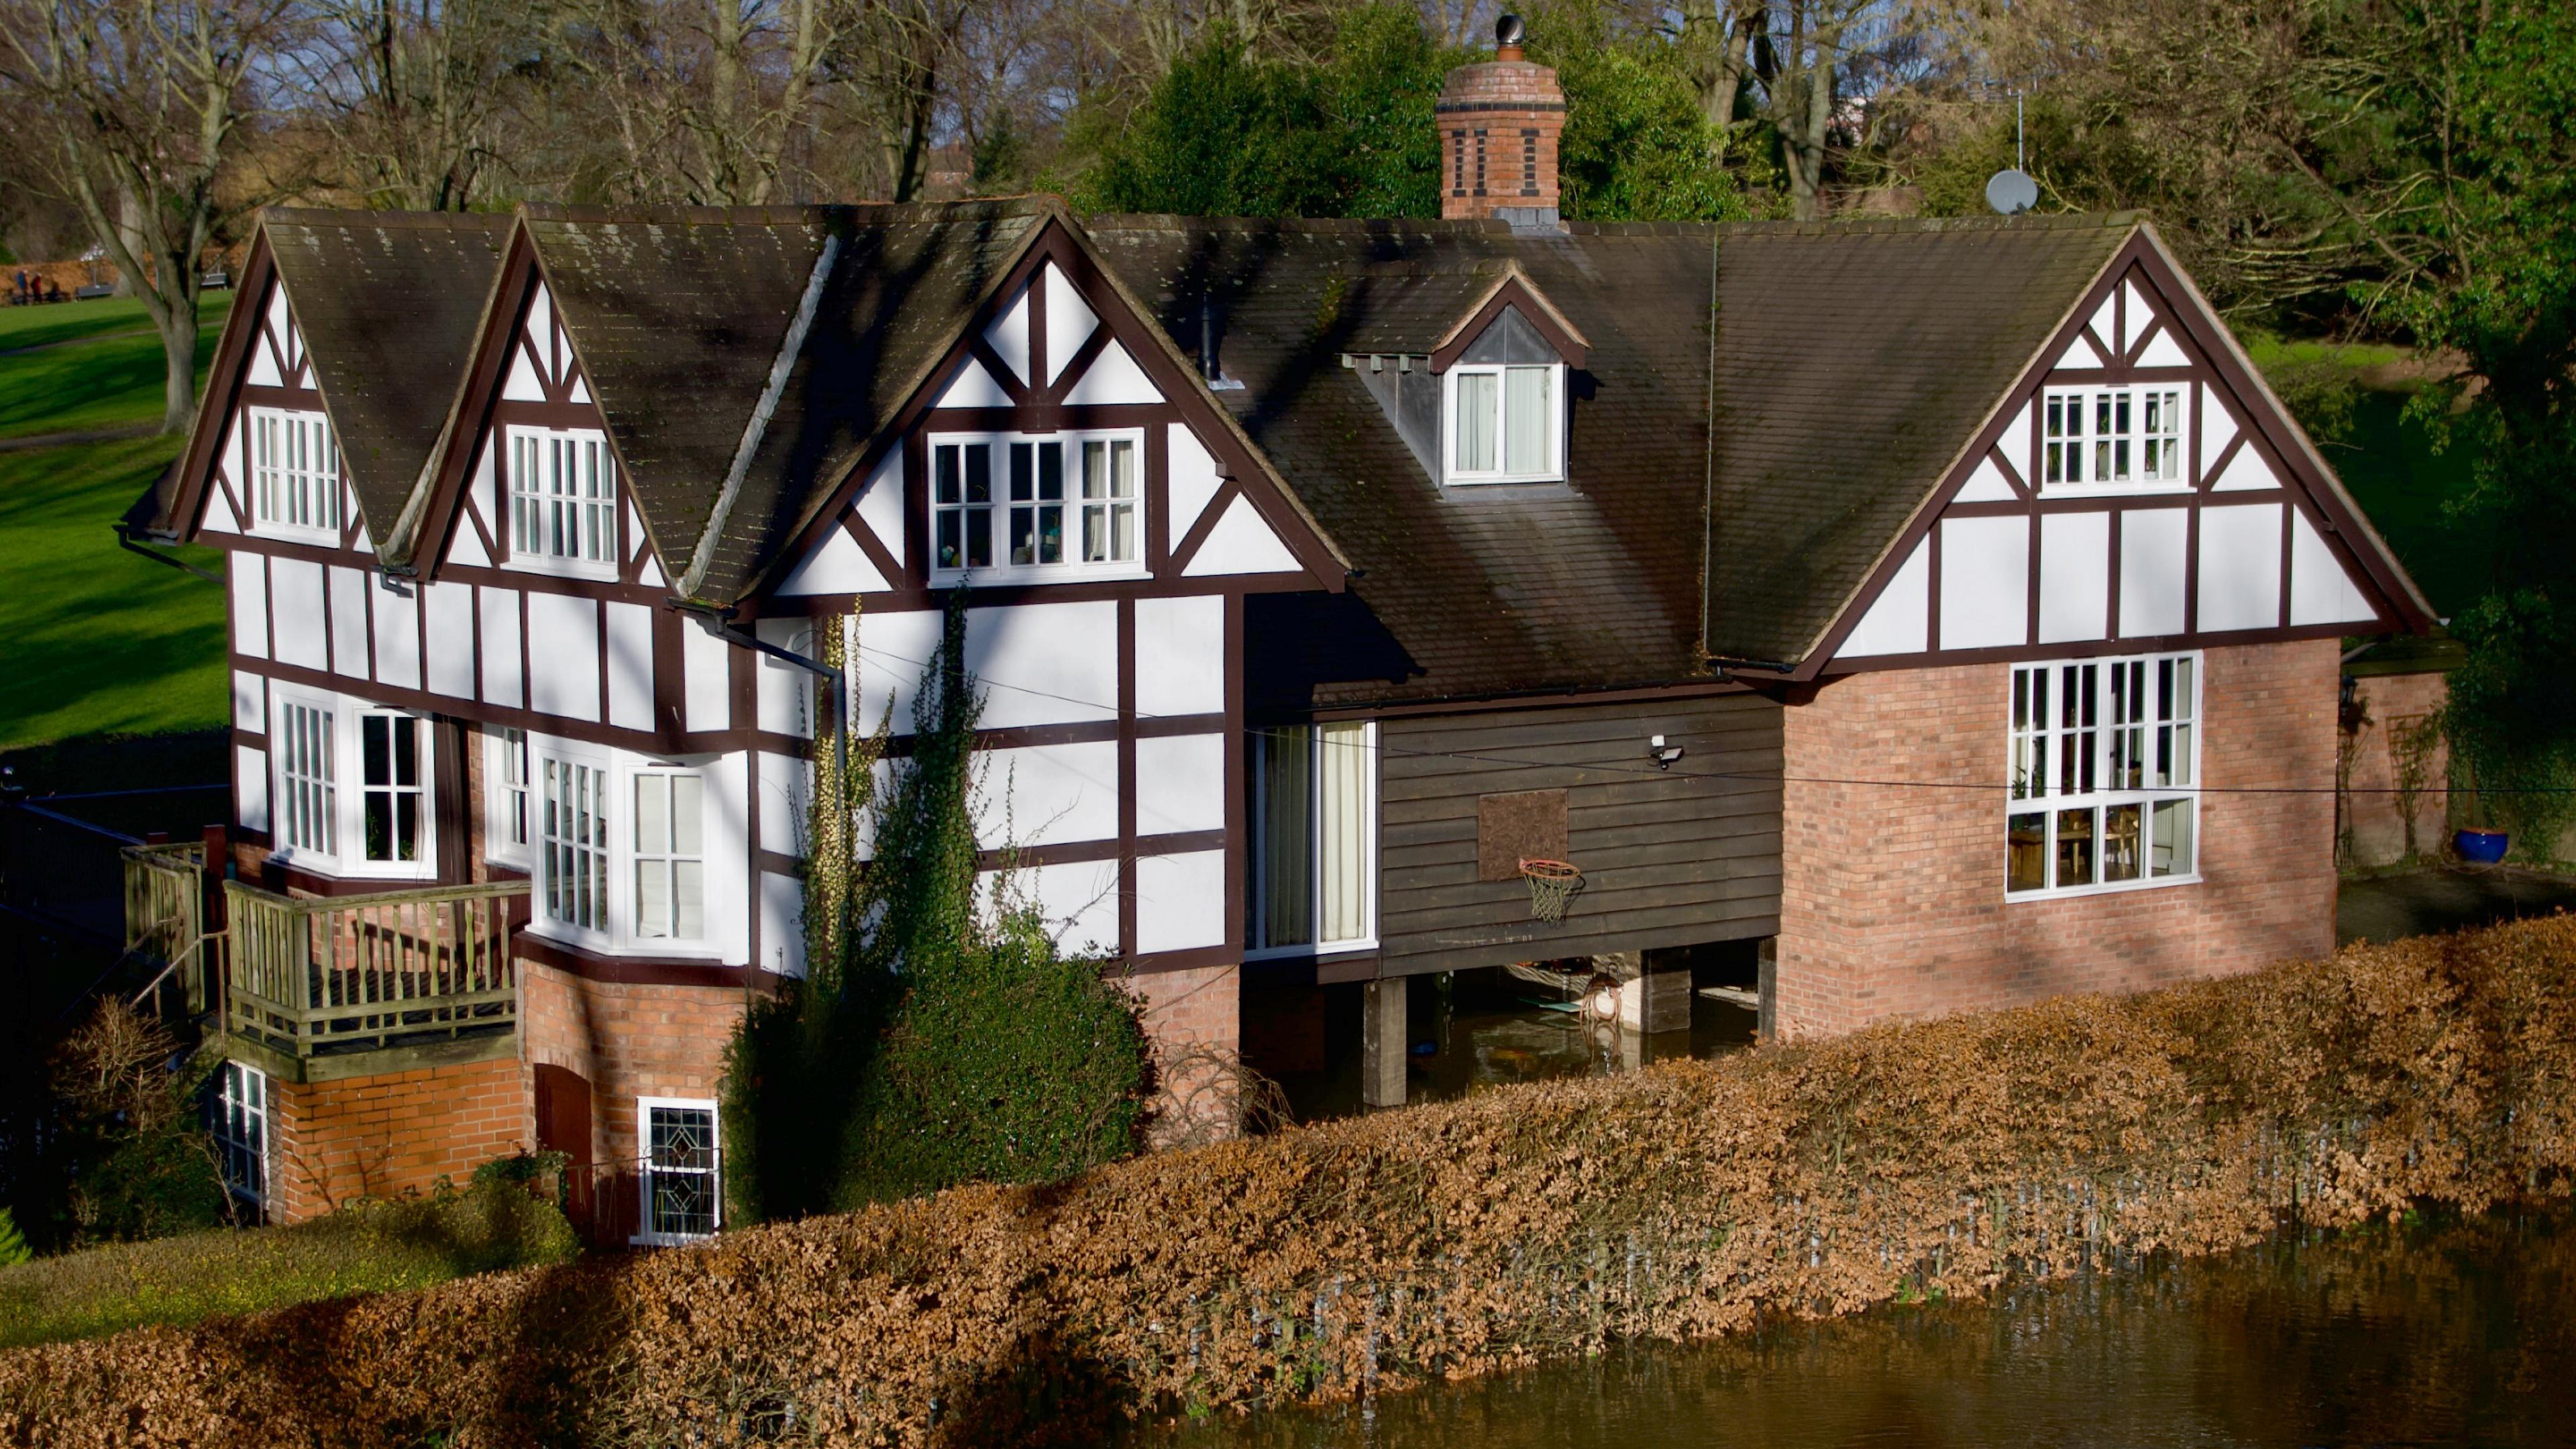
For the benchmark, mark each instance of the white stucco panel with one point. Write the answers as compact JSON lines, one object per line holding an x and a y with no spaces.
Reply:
{"x":782,"y":924}
{"x":2074,"y":576}
{"x":1041,"y":663}
{"x":1113,"y":377}
{"x":296,"y":607}
{"x":1047,"y":794}
{"x":630,"y":666}
{"x":467,"y":546}
{"x":246,"y":576}
{"x":880,"y":505}
{"x":2079,"y":353}
{"x":1899,"y":619}
{"x":706,"y":661}
{"x":973,"y":387}
{"x":2240,"y":567}
{"x":524,"y":384}
{"x":449,"y":616}
{"x":250,"y":787}
{"x":1180,"y":784}
{"x":2015,"y":442}
{"x":1241,"y":543}
{"x":1078,"y":900}
{"x":398,"y":636}
{"x":2246,"y":472}
{"x":837,"y":565}
{"x":1180,"y":901}
{"x":250,"y":702}
{"x":2163,"y":351}
{"x":1180,"y":656}
{"x":786,"y":796}
{"x":2153,"y":549}
{"x":563,"y":655}
{"x":1070,"y":321}
{"x":1008,"y":335}
{"x":501,"y":683}
{"x":2106,"y":323}
{"x":1192,"y":478}
{"x":892,"y":651}
{"x":1985,"y":582}
{"x":783,"y":694}
{"x":2321,"y":590}
{"x":349,"y":588}
{"x":2217,"y":428}
{"x":1986,"y":485}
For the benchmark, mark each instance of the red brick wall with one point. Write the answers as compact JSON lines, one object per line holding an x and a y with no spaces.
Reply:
{"x":1194,"y":1023}
{"x":2375,"y":826}
{"x":384,"y":1135}
{"x":1892,"y":898}
{"x":627,"y":1041}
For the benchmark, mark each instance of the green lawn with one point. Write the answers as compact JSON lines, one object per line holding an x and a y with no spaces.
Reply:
{"x":98,"y":640}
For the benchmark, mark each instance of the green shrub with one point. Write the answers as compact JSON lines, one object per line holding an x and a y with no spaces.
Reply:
{"x":371,"y":1247}
{"x":13,"y":1244}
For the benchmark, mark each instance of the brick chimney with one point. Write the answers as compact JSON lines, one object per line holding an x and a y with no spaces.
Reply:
{"x":1499,"y":124}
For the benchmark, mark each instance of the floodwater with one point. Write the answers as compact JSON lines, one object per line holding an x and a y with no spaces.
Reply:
{"x":2462,"y":1333}
{"x":1480,"y":1029}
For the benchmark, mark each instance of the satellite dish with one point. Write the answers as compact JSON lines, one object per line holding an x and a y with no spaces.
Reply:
{"x":2011,"y":191}
{"x":1509,"y":30}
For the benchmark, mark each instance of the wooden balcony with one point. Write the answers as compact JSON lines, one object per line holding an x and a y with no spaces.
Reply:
{"x":424,"y":972}
{"x":337,"y":986}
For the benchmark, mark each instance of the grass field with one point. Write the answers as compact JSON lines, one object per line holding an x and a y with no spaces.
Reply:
{"x":98,"y":640}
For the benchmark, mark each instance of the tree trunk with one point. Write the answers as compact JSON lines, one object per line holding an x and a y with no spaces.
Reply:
{"x":178,"y":328}
{"x":129,"y":229}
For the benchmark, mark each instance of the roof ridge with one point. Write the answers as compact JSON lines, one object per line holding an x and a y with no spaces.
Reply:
{"x":338,"y":216}
{"x":790,"y":214}
{"x":1901,"y":225}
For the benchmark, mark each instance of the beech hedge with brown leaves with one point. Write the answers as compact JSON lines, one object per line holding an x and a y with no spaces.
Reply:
{"x":1352,"y":1257}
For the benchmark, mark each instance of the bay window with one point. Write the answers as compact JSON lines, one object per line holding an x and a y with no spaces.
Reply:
{"x":563,"y":502}
{"x":294,"y":475}
{"x":1505,"y":423}
{"x":2104,"y":773}
{"x":2111,"y":438}
{"x":1069,"y":503}
{"x":670,"y":856}
{"x":392,"y":794}
{"x":308,"y":794}
{"x":507,"y":836}
{"x":574,"y":836}
{"x":1314,"y":838}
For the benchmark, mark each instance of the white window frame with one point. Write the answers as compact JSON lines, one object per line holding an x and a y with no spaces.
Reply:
{"x":422,"y":790}
{"x":548,"y":764}
{"x":647,"y":1233}
{"x":1450,"y":467}
{"x":278,"y":445}
{"x":510,"y":807}
{"x":2097,"y":761}
{"x":1257,"y":824}
{"x":670,"y":856}
{"x":300,"y":793}
{"x":1001,"y":506}
{"x":344,"y":855}
{"x":615,"y":930}
{"x":532,"y":510}
{"x":2097,"y":440}
{"x":241,"y":1132}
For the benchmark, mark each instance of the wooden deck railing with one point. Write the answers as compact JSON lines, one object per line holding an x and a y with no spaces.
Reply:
{"x":356,"y":973}
{"x":165,"y":913}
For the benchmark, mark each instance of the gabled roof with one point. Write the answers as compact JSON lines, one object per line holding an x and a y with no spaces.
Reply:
{"x":1494,"y":589}
{"x":683,"y":319}
{"x":388,"y":303}
{"x":1854,"y":362}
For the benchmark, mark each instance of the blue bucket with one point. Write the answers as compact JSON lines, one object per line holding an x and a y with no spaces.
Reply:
{"x":2479,"y":847}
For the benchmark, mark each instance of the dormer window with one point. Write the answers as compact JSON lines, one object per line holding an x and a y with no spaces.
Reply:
{"x":563,"y":502}
{"x":1061,"y":504}
{"x":295,"y":475}
{"x":1506,"y":424}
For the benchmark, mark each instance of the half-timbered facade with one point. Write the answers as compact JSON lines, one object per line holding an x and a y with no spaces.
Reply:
{"x":1945,"y":605}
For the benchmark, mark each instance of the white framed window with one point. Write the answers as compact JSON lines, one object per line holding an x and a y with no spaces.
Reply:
{"x":573,"y":832}
{"x":308,"y":790}
{"x":1504,"y":423}
{"x":239,"y":1111}
{"x":563,"y":502}
{"x":393,"y":811}
{"x":1314,"y":839}
{"x":2105,"y":775}
{"x":511,"y":810}
{"x":670,"y":856}
{"x":2109,"y":439}
{"x":1009,"y":504}
{"x":295,"y":475}
{"x":682,"y":1171}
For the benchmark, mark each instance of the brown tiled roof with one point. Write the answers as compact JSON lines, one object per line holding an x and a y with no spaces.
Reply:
{"x":1493,"y":589}
{"x":388,"y":303}
{"x":1854,"y":361}
{"x":679,"y":317}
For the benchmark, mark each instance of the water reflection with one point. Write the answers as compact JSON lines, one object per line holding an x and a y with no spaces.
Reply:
{"x":2459,"y":1334}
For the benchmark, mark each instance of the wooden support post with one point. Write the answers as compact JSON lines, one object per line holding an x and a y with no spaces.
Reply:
{"x":1654,"y":1000}
{"x":1383,"y":1043}
{"x":1766,"y":1015}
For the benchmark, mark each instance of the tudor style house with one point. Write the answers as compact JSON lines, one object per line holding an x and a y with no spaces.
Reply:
{"x":1946,"y":605}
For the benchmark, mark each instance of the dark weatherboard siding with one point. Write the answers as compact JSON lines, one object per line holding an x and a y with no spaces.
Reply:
{"x":1670,"y":858}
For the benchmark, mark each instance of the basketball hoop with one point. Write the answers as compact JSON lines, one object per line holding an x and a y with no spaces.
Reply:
{"x":1552,"y":883}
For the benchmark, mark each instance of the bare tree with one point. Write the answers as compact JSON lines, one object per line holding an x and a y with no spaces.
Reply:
{"x":706,"y":98}
{"x":146,"y":98}
{"x":418,"y":96}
